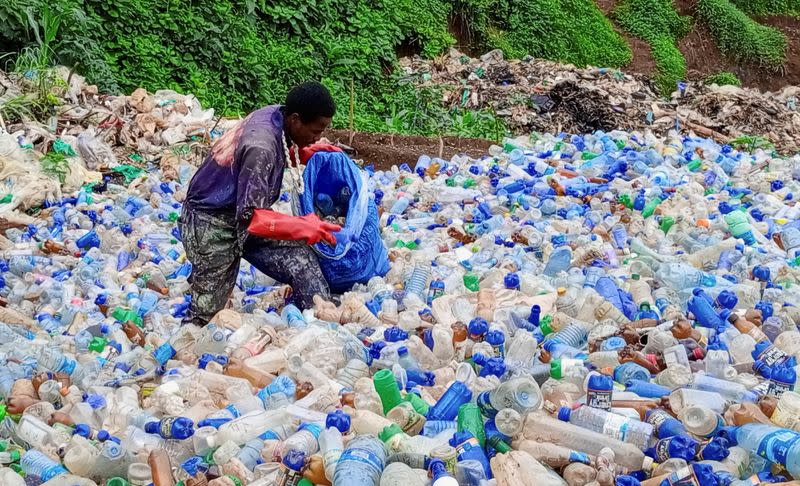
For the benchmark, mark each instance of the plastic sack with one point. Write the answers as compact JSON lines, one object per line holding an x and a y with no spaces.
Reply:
{"x":94,"y":151}
{"x":359,"y":253}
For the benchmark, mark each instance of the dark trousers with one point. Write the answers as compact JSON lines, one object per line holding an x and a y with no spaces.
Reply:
{"x":211,"y":244}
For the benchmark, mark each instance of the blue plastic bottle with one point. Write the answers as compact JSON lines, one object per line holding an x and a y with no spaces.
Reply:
{"x":676,"y":447}
{"x":630,"y":371}
{"x":179,"y":428}
{"x":446,"y":408}
{"x":469,"y":449}
{"x":664,"y":424}
{"x":647,"y":389}
{"x":559,"y":261}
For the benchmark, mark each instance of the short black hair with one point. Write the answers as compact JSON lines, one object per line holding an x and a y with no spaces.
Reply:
{"x":310,"y":101}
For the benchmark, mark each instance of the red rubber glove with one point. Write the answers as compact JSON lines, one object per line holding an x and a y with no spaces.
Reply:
{"x":278,"y":226}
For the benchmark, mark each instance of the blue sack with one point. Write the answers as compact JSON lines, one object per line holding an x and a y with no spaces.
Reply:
{"x":359,"y":253}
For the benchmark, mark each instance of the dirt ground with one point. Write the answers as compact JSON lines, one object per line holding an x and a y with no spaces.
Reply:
{"x":384,"y":150}
{"x":704,"y":58}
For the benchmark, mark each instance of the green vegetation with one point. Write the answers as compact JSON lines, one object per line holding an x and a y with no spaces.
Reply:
{"x":238,"y":55}
{"x":769,"y":7}
{"x":740,"y":37}
{"x":572,"y":31}
{"x":723,"y":78}
{"x":658,"y":23}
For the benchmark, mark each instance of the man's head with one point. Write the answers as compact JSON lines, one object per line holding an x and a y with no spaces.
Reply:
{"x":308,"y":112}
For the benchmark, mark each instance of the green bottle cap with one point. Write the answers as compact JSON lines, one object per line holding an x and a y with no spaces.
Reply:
{"x":546,"y":323}
{"x":15,"y":455}
{"x":97,"y":344}
{"x":666,"y":223}
{"x":237,"y":481}
{"x":450,"y":182}
{"x":471,"y":282}
{"x":555,"y":369}
{"x":420,"y":405}
{"x":117,"y":482}
{"x":303,"y":482}
{"x":3,"y":412}
{"x":389,"y":431}
{"x":468,"y":183}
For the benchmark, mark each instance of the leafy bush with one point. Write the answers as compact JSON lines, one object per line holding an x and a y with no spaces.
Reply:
{"x":573,"y":31}
{"x":658,"y":23}
{"x":769,"y":7}
{"x":723,"y":78}
{"x":670,"y":64}
{"x":740,"y":37}
{"x":652,"y":19}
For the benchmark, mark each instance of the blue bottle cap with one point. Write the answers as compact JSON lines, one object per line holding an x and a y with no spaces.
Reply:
{"x":612,"y":344}
{"x":339,"y":420}
{"x":294,"y":460}
{"x":495,"y":337}
{"x":494,"y":366}
{"x":564,"y":414}
{"x":478,"y":326}
{"x":395,"y":334}
{"x":511,"y":280}
{"x":727,"y":299}
{"x":761,"y":273}
{"x":83,"y":430}
{"x":402,"y":351}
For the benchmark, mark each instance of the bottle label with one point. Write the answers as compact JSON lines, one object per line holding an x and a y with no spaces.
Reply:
{"x":468,"y":445}
{"x":599,"y":399}
{"x":485,"y":405}
{"x":657,"y":419}
{"x":615,"y":426}
{"x":575,"y":456}
{"x":771,"y":355}
{"x":662,"y":450}
{"x":164,"y":353}
{"x":165,"y":428}
{"x":775,"y":446}
{"x":778,"y":388}
{"x":363,"y":456}
{"x":289,"y":477}
{"x":683,"y":477}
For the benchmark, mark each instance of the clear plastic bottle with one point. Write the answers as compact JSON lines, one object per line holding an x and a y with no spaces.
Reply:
{"x":542,"y":428}
{"x":619,"y":427}
{"x":331,"y":447}
{"x":361,"y":462}
{"x":35,"y":463}
{"x":521,"y":394}
{"x":701,"y":421}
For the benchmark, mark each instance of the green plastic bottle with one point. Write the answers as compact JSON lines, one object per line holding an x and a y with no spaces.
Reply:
{"x":471,"y":419}
{"x":650,"y":207}
{"x":420,"y":405}
{"x":666,"y":223}
{"x":499,"y":444}
{"x":471,"y":282}
{"x":386,"y":386}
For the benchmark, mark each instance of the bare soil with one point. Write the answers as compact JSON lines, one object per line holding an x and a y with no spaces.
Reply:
{"x":384,"y":150}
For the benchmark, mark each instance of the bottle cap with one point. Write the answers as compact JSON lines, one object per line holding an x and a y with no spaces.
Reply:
{"x":389,"y":431}
{"x":294,"y":460}
{"x":339,"y":420}
{"x":478,"y":326}
{"x":564,"y":414}
{"x":511,"y":280}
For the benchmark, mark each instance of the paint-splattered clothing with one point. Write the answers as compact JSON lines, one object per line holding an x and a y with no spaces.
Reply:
{"x":243,"y":172}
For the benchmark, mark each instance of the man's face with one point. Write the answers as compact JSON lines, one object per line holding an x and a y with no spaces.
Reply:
{"x":305,"y":134}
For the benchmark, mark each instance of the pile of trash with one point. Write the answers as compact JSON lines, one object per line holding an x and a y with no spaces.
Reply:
{"x":546,"y":96}
{"x":614,"y":308}
{"x":91,"y":133}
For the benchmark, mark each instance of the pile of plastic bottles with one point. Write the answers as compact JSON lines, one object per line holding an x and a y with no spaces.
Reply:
{"x":608,"y":309}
